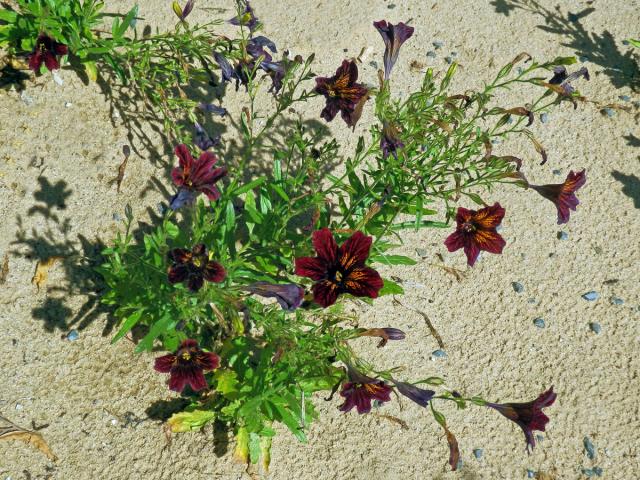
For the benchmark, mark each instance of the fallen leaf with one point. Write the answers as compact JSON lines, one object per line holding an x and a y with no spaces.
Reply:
{"x":454,"y":451}
{"x":4,"y":271}
{"x":126,"y":151}
{"x":42,"y":270}
{"x":393,"y":419}
{"x":11,"y":431}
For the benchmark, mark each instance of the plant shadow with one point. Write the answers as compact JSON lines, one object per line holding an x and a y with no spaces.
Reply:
{"x":600,"y":49}
{"x":630,"y":186}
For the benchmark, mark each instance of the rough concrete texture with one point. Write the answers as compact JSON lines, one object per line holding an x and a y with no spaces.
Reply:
{"x":57,"y":163}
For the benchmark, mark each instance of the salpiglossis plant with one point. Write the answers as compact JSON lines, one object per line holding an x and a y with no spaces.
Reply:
{"x":248,"y":288}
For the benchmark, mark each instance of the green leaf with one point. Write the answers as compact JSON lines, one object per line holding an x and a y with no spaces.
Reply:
{"x":440,"y":418}
{"x":91,"y":71}
{"x":189,"y":421}
{"x":227,"y":381}
{"x":564,"y":60}
{"x":128,"y":325}
{"x":291,"y":422}
{"x":249,"y":186}
{"x":171,"y":229}
{"x":390,"y":288}
{"x":254,"y":447}
{"x":8,"y":16}
{"x":393,"y":260}
{"x":128,"y":21}
{"x":165,"y":323}
{"x":635,"y":43}
{"x":475,"y":197}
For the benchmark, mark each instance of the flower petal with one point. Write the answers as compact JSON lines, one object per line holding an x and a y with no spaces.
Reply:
{"x":179,"y":255}
{"x":455,"y":241}
{"x":489,"y":217}
{"x":325,"y":245}
{"x":472,"y":252}
{"x":214,"y":272}
{"x":50,"y":61}
{"x":355,"y":251}
{"x":195,"y":282}
{"x":208,"y":360}
{"x":325,"y":293}
{"x":363,"y":282}
{"x":165,"y":363}
{"x":489,"y":241}
{"x":311,"y":267}
{"x":177,"y":273}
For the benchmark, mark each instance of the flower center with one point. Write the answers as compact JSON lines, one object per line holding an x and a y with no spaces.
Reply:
{"x":197,"y":262}
{"x":468,"y":227}
{"x":339,"y":276}
{"x":186,"y":356}
{"x":331,"y":92}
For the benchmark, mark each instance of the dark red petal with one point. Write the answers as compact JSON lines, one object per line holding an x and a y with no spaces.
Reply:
{"x":177,"y":175}
{"x":325,"y":293}
{"x":472,"y":252}
{"x":195,"y":282}
{"x":325,"y":245}
{"x":330,"y":111}
{"x":355,"y":251}
{"x":195,"y":378}
{"x":189,"y":343}
{"x":363,"y":282}
{"x":35,"y":61}
{"x":489,"y":217}
{"x":185,"y":158}
{"x":214,"y":272}
{"x":546,"y":399}
{"x":311,"y":267}
{"x":489,"y":241}
{"x":455,"y":241}
{"x":50,"y":61}
{"x":321,"y":85}
{"x":178,"y":380}
{"x":211,"y":191}
{"x":60,"y":49}
{"x":464,"y":215}
{"x":208,"y":360}
{"x":179,"y":255}
{"x":177,"y":273}
{"x":163,"y":364}
{"x":363,"y":401}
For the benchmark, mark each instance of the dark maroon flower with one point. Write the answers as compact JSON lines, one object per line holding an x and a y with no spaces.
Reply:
{"x":338,"y":270}
{"x":194,"y":267}
{"x":360,"y":390}
{"x":419,"y":395}
{"x":198,"y":175}
{"x":389,"y":141}
{"x":529,"y":416}
{"x":385,"y":334}
{"x":187,"y":366}
{"x":288,"y":295}
{"x":46,"y":51}
{"x":342,"y":92}
{"x":247,"y":18}
{"x":475,"y":231}
{"x":394,"y":36}
{"x":563,"y":194}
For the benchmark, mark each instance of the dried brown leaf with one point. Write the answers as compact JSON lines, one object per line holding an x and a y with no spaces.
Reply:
{"x":4,"y":271}
{"x":396,"y":420}
{"x":126,"y":151}
{"x":42,"y":270}
{"x":10,"y":431}
{"x":454,"y":451}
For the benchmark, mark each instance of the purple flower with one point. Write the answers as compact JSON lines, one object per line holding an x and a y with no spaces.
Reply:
{"x":46,"y":51}
{"x":202,"y":139}
{"x":184,"y":196}
{"x":563,"y":194}
{"x":389,"y":141}
{"x":419,"y":395}
{"x":360,"y":390}
{"x":561,"y":81}
{"x":343,"y":94}
{"x":394,"y":36}
{"x":529,"y":416}
{"x":183,"y":13}
{"x":385,"y":334}
{"x":288,"y":295}
{"x":198,"y":175}
{"x":211,"y":108}
{"x":187,"y":366}
{"x":247,"y":18}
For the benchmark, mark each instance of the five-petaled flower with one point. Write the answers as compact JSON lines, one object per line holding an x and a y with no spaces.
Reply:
{"x":563,"y":194}
{"x":360,"y":390}
{"x":194,"y":267}
{"x":46,"y":51}
{"x":338,"y":270}
{"x":475,"y":231}
{"x":343,"y":93}
{"x":394,"y":36}
{"x":529,"y":416}
{"x":197,"y":175}
{"x":187,"y":366}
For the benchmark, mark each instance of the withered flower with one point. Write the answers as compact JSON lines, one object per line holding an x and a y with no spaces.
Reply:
{"x":390,"y":143}
{"x":394,"y":36}
{"x":385,"y":334}
{"x":343,"y":93}
{"x":288,"y":295}
{"x":563,"y":194}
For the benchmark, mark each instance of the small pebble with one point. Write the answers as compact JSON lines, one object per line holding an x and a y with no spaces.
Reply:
{"x":439,"y":353}
{"x":422,"y":252}
{"x":459,"y":464}
{"x":595,"y":327}
{"x":114,"y":421}
{"x":431,"y":54}
{"x":588,"y":472}
{"x":377,"y":403}
{"x":68,"y":104}
{"x":495,"y":141}
{"x":509,"y":120}
{"x":544,"y":118}
{"x":72,"y":335}
{"x":616,"y":301}
{"x":499,"y":228}
{"x":636,"y":104}
{"x":26,"y":98}
{"x":57,"y":78}
{"x":517,"y":287}
{"x":391,"y":6}
{"x":454,"y":54}
{"x":160,"y":207}
{"x":539,"y":322}
{"x":625,"y":98}
{"x":531,"y":474}
{"x":116,"y":217}
{"x":531,"y":300}
{"x":589,"y":448}
{"x":438,"y":44}
{"x":583,"y":58}
{"x":597,"y":471}
{"x":556,"y":172}
{"x":477,"y":452}
{"x":591,"y":296}
{"x":539,"y":437}
{"x":19,"y":406}
{"x":609,"y":111}
{"x":519,"y":70}
{"x":374,"y":64}
{"x":625,"y":42}
{"x":449,"y":60}
{"x":563,"y":236}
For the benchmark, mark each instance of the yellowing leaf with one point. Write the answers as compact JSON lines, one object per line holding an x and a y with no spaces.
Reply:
{"x":227,"y":381}
{"x":188,"y":421}
{"x":91,"y":70}
{"x":10,"y":431}
{"x":42,"y":270}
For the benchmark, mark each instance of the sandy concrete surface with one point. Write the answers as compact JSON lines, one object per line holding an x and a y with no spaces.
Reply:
{"x":59,"y":152}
